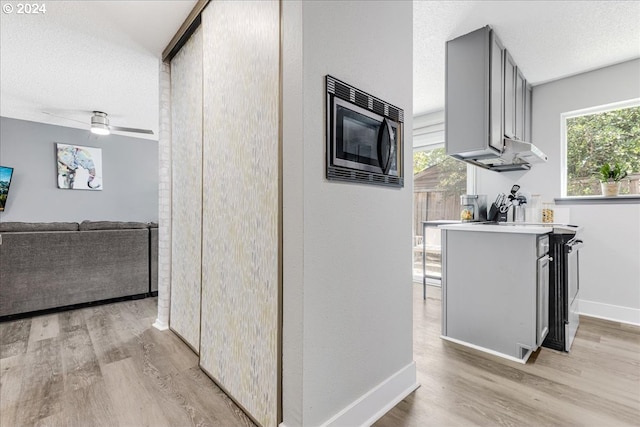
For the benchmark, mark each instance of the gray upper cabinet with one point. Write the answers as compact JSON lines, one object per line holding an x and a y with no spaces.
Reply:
{"x":528,"y":92}
{"x":488,"y":105}
{"x":516,"y":117}
{"x":509,"y":96}
{"x":474,"y":84}
{"x":496,"y":101}
{"x":519,"y":97}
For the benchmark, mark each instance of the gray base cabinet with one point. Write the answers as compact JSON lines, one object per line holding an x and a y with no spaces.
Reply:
{"x":493,"y":297}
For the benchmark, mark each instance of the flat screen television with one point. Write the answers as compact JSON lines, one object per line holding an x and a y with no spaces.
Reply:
{"x":5,"y":181}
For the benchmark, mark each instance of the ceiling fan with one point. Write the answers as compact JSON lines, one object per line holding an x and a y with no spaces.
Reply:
{"x":100,"y":124}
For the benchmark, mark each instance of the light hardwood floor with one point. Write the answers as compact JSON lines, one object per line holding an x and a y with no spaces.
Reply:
{"x":106,"y":366}
{"x":596,"y":384}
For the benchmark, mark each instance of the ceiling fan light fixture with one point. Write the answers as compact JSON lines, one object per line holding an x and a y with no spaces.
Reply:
{"x":100,"y":129}
{"x":100,"y":123}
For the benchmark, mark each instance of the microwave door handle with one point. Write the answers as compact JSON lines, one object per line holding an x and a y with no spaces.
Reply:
{"x":388,"y":150}
{"x":392,"y":146}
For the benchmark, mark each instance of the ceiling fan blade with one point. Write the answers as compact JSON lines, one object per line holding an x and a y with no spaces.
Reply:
{"x":63,"y":117}
{"x":122,"y":129}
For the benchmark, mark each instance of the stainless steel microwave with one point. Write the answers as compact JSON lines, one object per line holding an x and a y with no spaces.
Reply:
{"x":364,"y":137}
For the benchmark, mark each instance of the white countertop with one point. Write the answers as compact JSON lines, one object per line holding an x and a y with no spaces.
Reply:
{"x":503,"y":227}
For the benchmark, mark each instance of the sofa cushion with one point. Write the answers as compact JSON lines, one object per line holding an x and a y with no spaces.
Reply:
{"x":8,"y":227}
{"x":110,"y":225}
{"x":40,"y":271}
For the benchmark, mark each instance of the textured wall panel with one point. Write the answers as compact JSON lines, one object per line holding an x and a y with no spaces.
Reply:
{"x":186,"y":154}
{"x":164,"y":199}
{"x":239,"y":342}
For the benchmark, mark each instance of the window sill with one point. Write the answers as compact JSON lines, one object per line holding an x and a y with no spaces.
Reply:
{"x":599,"y":200}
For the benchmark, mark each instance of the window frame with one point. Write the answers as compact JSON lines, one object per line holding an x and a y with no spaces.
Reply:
{"x":471,"y":189}
{"x":629,"y":103}
{"x":428,"y":134}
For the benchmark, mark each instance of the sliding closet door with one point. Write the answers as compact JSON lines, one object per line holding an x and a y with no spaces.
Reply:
{"x":186,"y":190}
{"x":240,"y":289}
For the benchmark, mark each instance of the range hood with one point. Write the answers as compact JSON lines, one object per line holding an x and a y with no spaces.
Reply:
{"x":516,"y":155}
{"x":516,"y":151}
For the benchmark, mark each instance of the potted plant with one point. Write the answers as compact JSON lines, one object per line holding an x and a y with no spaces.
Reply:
{"x":610,"y":177}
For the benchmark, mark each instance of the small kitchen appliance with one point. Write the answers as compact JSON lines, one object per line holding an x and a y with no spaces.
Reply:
{"x":364,"y":137}
{"x":473,"y":208}
{"x":519,"y":208}
{"x":500,"y":209}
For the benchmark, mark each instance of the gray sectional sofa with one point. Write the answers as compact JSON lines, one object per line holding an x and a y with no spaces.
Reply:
{"x":46,"y":266}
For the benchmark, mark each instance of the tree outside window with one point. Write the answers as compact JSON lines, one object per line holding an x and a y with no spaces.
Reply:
{"x":612,"y":137}
{"x":453,"y":173}
{"x":438,"y":183}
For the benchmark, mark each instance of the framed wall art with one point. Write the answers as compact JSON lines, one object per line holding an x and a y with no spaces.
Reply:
{"x":5,"y":182}
{"x":79,"y":168}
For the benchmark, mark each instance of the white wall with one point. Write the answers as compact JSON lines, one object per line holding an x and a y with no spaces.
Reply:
{"x":130,"y":175}
{"x":610,"y":269}
{"x":347,"y":248}
{"x":610,"y":261}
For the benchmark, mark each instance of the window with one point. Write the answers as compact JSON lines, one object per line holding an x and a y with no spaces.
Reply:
{"x":607,"y":134}
{"x":438,"y":183}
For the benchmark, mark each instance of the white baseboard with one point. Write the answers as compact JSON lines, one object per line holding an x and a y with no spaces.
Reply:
{"x":611,"y":312}
{"x":486,"y":350}
{"x":378,"y":401}
{"x":371,"y":406}
{"x":160,"y":325}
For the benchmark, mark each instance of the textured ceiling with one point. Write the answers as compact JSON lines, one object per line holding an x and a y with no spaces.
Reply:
{"x":104,"y":55}
{"x":81,"y":56}
{"x":547,"y":39}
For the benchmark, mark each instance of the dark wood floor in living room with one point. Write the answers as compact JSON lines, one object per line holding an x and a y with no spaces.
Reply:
{"x":107,"y":366}
{"x":596,"y":384}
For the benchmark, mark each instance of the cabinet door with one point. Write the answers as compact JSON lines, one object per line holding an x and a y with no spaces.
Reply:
{"x":542,"y":317}
{"x":496,"y":97}
{"x":509,"y":95}
{"x":519,"y":107}
{"x":528,"y":92}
